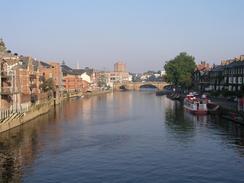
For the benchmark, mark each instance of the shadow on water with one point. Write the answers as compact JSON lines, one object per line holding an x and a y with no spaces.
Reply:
{"x":235,"y":131}
{"x":177,"y":120}
{"x":19,"y":147}
{"x":184,"y":125}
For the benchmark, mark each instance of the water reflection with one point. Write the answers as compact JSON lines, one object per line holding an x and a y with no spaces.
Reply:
{"x":177,"y":120}
{"x":108,"y":132}
{"x":19,"y":148}
{"x":185,"y":125}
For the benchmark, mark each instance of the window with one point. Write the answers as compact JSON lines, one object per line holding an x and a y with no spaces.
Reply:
{"x":239,"y":80}
{"x":230,"y":79}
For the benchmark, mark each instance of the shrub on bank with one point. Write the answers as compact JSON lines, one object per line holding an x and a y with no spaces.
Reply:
{"x":214,"y":93}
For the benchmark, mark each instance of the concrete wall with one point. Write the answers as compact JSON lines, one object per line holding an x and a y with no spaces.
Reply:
{"x":31,"y":114}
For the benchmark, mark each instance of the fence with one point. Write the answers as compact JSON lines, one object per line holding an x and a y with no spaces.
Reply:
{"x":9,"y":112}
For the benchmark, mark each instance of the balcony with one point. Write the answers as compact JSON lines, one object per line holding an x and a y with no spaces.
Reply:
{"x":33,"y":86}
{"x":5,"y":75}
{"x":7,"y":91}
{"x":32,"y":76}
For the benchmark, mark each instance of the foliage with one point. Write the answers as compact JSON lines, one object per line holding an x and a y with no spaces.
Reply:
{"x":227,"y":93}
{"x":48,"y":85}
{"x":241,"y":93}
{"x":2,"y":46}
{"x":214,"y":93}
{"x":102,"y":81}
{"x":179,"y":70}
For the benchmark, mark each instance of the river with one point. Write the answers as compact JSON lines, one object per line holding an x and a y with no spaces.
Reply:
{"x":123,"y":137}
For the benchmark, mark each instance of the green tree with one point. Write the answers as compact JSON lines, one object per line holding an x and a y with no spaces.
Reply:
{"x":102,"y":81}
{"x":47,"y":85}
{"x":179,"y":70}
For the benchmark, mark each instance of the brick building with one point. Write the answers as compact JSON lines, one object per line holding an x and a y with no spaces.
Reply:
{"x":119,"y":67}
{"x":9,"y":85}
{"x":71,"y":80}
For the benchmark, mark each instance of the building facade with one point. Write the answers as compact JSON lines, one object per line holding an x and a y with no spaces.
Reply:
{"x":234,"y":75}
{"x":119,"y":67}
{"x":200,"y":77}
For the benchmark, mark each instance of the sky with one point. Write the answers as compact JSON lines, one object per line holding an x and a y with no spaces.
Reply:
{"x":144,"y":34}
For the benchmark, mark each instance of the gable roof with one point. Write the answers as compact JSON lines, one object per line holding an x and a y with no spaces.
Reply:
{"x":218,"y":68}
{"x":67,"y":70}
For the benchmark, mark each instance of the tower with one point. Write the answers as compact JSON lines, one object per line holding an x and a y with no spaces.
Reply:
{"x":119,"y":67}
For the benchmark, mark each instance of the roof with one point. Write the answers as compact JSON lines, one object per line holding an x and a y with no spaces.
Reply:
{"x":25,"y":61}
{"x":44,"y":64}
{"x":67,"y":70}
{"x":218,"y":68}
{"x":235,"y":64}
{"x":203,"y":67}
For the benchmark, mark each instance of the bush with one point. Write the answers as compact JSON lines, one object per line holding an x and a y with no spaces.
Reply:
{"x":215,"y":93}
{"x":227,"y":93}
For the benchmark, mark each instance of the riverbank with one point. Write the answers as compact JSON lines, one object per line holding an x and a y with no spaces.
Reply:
{"x":17,"y":119}
{"x":227,"y":109}
{"x":95,"y":93}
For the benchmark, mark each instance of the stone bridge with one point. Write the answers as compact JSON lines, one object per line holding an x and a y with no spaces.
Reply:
{"x":139,"y":85}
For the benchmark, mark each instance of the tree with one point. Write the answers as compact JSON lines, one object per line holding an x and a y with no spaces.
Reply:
{"x":2,"y":46}
{"x":179,"y":70}
{"x":102,"y":80}
{"x":48,"y":85}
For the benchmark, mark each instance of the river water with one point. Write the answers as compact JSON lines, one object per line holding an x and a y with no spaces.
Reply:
{"x":123,"y":137}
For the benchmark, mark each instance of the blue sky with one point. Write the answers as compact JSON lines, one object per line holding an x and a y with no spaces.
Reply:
{"x":143,"y":33}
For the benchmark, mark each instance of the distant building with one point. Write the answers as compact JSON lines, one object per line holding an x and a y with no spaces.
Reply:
{"x":227,"y":76}
{"x":71,"y":79}
{"x":85,"y":79}
{"x":119,"y":67}
{"x":201,"y":76}
{"x":234,"y":75}
{"x":119,"y":77}
{"x":216,"y":79}
{"x":72,"y":83}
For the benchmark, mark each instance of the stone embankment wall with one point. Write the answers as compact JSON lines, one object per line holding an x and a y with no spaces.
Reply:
{"x":99,"y":92}
{"x":20,"y":119}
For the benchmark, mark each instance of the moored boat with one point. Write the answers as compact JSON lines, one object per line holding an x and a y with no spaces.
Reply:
{"x":195,"y":104}
{"x":213,"y":108}
{"x":174,"y":96}
{"x":162,"y":92}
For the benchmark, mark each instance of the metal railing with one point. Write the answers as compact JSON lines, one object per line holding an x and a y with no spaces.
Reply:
{"x":6,"y":113}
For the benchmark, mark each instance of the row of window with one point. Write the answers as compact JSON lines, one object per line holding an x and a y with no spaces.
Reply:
{"x":235,"y":80}
{"x":220,"y":87}
{"x":230,"y":80}
{"x":234,"y":71}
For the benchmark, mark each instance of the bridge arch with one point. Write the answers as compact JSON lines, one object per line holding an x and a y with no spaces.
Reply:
{"x":138,"y":85}
{"x":123,"y":87}
{"x":148,"y":85}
